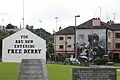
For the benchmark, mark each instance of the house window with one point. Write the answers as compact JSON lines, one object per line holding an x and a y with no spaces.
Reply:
{"x":68,"y":37}
{"x":117,"y":35}
{"x":61,"y":47}
{"x":69,"y":46}
{"x":117,"y":45}
{"x":60,"y":38}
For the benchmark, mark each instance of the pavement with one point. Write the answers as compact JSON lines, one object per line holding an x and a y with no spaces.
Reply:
{"x":91,"y":66}
{"x":105,"y":66}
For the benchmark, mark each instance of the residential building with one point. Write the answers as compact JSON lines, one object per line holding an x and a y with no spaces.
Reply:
{"x":107,"y":34}
{"x":114,"y":42}
{"x":92,"y":35}
{"x":64,"y":41}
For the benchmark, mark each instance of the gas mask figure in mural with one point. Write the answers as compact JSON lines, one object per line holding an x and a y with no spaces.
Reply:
{"x":96,"y":50}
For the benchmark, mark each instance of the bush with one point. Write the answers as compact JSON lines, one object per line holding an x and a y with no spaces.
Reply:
{"x":100,"y":61}
{"x":0,"y":59}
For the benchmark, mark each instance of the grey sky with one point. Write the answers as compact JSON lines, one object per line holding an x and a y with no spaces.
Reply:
{"x":65,"y":10}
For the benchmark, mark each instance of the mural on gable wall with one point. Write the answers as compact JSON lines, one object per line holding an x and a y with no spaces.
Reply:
{"x":91,"y":43}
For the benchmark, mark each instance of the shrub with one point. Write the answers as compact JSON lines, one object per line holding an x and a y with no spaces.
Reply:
{"x":100,"y":61}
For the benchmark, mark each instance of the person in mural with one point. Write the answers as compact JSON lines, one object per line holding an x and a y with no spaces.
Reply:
{"x":83,"y":55}
{"x":94,"y":46}
{"x":93,"y":49}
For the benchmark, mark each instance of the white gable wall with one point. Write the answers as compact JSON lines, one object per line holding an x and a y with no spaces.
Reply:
{"x":10,"y":42}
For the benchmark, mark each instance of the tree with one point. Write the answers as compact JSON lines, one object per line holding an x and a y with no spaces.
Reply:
{"x":46,"y":36}
{"x":10,"y":26}
{"x":3,"y":34}
{"x":29,"y":27}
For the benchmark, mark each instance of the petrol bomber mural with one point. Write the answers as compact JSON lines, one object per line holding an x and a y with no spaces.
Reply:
{"x":91,"y":43}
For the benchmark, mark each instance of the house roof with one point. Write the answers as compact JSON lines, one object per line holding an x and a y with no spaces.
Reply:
{"x":115,"y":26}
{"x":88,"y":25}
{"x":66,"y":31}
{"x":70,"y":30}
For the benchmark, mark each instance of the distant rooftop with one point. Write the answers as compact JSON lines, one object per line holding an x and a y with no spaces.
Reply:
{"x":89,"y":24}
{"x":66,"y":31}
{"x":115,"y":26}
{"x":94,"y":23}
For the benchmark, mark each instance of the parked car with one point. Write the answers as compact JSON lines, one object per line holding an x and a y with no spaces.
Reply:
{"x":71,"y":61}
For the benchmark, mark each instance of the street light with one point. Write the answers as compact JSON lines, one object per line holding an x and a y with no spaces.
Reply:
{"x":23,"y":14}
{"x":75,"y":37}
{"x":100,"y":11}
{"x":55,"y":39}
{"x":56,"y":22}
{"x":40,"y":23}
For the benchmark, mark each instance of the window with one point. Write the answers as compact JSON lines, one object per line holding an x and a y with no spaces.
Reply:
{"x":68,"y":37}
{"x":117,"y":45}
{"x":69,"y":46}
{"x":61,"y":47}
{"x":60,"y":38}
{"x":117,"y":35}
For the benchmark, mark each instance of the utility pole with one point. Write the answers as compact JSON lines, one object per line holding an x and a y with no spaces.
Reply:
{"x":23,"y":14}
{"x":55,"y":39}
{"x":56,"y":22}
{"x":100,"y":12}
{"x":40,"y":23}
{"x":75,"y":38}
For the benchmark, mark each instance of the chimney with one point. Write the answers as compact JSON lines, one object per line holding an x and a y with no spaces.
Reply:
{"x":110,"y":22}
{"x":60,"y":28}
{"x":96,"y":22}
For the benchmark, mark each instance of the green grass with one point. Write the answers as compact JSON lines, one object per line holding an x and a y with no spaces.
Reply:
{"x":117,"y":64}
{"x":60,"y":72}
{"x":10,"y":71}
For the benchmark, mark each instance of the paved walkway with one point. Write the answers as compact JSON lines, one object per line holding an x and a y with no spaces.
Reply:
{"x":91,"y":66}
{"x":104,"y":66}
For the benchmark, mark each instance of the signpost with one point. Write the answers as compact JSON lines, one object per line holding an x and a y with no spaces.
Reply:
{"x":33,"y":69}
{"x":94,"y":74}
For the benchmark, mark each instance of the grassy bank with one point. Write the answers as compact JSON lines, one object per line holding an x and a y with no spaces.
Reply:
{"x":117,"y":64}
{"x":10,"y":71}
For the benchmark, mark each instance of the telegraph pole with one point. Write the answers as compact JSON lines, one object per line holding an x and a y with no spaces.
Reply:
{"x":100,"y":11}
{"x":55,"y":38}
{"x":40,"y":23}
{"x":75,"y":37}
{"x":23,"y":14}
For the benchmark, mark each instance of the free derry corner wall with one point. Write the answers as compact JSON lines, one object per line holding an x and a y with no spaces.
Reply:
{"x":23,"y":45}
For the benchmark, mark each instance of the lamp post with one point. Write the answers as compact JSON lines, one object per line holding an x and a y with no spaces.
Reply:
{"x":55,"y":39}
{"x":40,"y":23}
{"x":23,"y":14}
{"x":75,"y":37}
{"x":100,"y":11}
{"x":40,"y":26}
{"x":56,"y":22}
